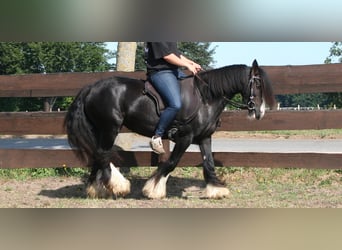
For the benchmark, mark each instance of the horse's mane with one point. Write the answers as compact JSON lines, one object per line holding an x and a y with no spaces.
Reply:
{"x":226,"y":80}
{"x":221,"y":82}
{"x":267,"y":89}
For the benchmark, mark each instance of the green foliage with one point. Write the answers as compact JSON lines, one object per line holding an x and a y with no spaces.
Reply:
{"x":52,"y":57}
{"x":335,"y":53}
{"x":335,"y":56}
{"x":63,"y":103}
{"x":11,"y":58}
{"x":305,"y":100}
{"x":20,"y":104}
{"x":140,"y":57}
{"x":325,"y":100}
{"x":199,"y":52}
{"x":49,"y":57}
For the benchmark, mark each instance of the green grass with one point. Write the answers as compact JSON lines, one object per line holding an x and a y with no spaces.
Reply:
{"x":322,"y":133}
{"x":258,"y":187}
{"x":25,"y":173}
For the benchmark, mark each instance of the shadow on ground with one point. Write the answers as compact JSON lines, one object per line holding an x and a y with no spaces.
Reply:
{"x":176,"y":187}
{"x":69,"y":192}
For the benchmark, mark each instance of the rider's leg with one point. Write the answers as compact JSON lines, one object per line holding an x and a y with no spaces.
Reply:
{"x":167,"y":85}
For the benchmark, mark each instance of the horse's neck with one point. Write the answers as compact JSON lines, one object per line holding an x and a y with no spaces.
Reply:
{"x":233,"y":83}
{"x":237,"y":84}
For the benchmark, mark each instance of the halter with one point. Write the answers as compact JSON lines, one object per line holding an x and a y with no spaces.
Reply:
{"x":250,"y":104}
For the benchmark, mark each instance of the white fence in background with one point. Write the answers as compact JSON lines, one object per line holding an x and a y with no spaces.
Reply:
{"x":318,"y":107}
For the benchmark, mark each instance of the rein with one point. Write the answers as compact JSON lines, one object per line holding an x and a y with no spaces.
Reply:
{"x":236,"y":104}
{"x":249,"y":106}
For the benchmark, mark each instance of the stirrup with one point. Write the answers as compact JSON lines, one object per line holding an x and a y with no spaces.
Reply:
{"x":157,"y":145}
{"x":172,"y":133}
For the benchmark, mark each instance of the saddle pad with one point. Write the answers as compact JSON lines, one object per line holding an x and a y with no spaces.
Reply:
{"x":191,"y":99}
{"x":152,"y":92}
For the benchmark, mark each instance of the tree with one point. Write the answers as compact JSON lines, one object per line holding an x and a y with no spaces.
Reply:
{"x":11,"y":58}
{"x":334,"y":56}
{"x":52,"y":57}
{"x":335,"y":53}
{"x":140,"y":57}
{"x":49,"y":57}
{"x":125,"y":60}
{"x":326,"y":100}
{"x":199,"y":52}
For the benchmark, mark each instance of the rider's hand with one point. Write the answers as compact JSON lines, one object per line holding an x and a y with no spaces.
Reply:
{"x":194,"y":68}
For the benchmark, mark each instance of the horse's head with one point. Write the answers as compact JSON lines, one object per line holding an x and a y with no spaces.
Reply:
{"x":259,"y":92}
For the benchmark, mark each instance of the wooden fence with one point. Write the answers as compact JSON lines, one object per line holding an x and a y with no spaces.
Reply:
{"x":285,"y":79}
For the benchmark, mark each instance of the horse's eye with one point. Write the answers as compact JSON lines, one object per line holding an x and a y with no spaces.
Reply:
{"x":258,"y":84}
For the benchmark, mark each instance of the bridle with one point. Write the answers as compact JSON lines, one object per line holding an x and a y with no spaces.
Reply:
{"x":251,"y":103}
{"x":250,"y":106}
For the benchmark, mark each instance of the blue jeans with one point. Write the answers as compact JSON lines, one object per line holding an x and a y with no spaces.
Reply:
{"x":167,"y":85}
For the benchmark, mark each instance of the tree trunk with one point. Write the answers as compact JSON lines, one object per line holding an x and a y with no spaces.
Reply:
{"x":125,"y":60}
{"x":48,"y":103}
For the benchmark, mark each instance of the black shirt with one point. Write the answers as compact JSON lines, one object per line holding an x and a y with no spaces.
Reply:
{"x":155,"y":53}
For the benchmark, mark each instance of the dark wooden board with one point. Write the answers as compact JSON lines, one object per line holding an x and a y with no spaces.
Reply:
{"x":21,"y":123}
{"x":285,"y":79}
{"x":38,"y":158}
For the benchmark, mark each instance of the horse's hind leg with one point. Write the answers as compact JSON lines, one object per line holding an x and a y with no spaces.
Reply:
{"x":105,"y":179}
{"x":215,"y":189}
{"x":108,"y":181}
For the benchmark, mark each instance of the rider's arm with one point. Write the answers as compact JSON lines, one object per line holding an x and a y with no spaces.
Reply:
{"x":182,"y":61}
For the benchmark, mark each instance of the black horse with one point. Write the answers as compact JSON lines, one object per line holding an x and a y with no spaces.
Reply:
{"x":100,"y":110}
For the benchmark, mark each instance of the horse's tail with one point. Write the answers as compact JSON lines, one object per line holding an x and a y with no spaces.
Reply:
{"x":79,"y":129}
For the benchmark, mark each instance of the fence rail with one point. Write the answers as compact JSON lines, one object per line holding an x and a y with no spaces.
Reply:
{"x":286,"y":80}
{"x":42,"y":123}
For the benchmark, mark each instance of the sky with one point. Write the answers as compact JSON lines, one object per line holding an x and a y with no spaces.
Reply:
{"x":268,"y":53}
{"x":271,"y":53}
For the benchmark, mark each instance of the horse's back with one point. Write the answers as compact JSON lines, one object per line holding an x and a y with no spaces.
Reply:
{"x":116,"y":87}
{"x":118,"y":82}
{"x":114,"y":93}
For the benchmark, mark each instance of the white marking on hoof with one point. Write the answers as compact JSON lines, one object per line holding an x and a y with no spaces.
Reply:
{"x":214,"y":192}
{"x":97,"y":190}
{"x":155,"y":190}
{"x":119,"y":185}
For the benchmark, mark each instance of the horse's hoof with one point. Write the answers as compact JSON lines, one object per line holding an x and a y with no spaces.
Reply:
{"x":215,"y":192}
{"x":118,"y":184}
{"x":155,"y":190}
{"x":97,"y":191}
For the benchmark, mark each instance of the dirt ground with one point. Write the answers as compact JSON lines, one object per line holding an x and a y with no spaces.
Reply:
{"x":250,"y":188}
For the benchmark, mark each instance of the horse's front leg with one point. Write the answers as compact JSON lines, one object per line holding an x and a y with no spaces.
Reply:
{"x":215,"y":189}
{"x":155,"y":187}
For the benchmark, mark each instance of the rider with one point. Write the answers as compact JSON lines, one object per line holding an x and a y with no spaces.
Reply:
{"x":163,"y":61}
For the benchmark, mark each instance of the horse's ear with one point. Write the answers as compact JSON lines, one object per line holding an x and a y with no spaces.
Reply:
{"x":255,"y":68}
